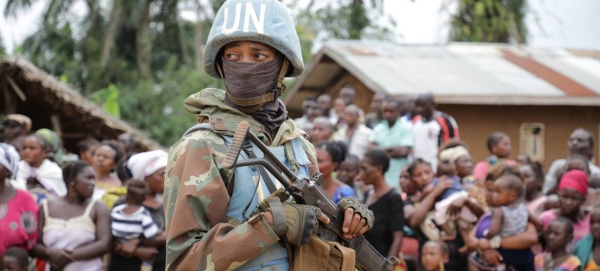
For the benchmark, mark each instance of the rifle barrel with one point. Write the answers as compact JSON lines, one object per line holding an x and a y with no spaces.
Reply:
{"x":267,"y":164}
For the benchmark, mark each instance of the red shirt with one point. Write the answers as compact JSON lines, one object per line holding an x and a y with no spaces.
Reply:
{"x":18,"y":222}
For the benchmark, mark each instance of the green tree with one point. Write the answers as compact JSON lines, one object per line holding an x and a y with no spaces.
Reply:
{"x":500,"y":21}
{"x":147,"y":55}
{"x":2,"y":51}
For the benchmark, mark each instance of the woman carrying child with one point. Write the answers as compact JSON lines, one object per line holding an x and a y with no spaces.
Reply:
{"x":572,"y":191}
{"x":74,"y":230}
{"x":148,"y":166}
{"x":509,"y":218}
{"x":421,"y":175}
{"x":558,"y":235}
{"x":491,"y":253}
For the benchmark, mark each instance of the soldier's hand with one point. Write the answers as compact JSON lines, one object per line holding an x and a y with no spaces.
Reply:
{"x":357,"y":218}
{"x":294,"y":221}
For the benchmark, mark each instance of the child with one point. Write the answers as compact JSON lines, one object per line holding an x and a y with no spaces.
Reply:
{"x":500,"y":147}
{"x":558,"y":235}
{"x":42,"y":177}
{"x":593,"y":196}
{"x":132,"y":221}
{"x":509,"y":217}
{"x":435,"y":254}
{"x":14,"y":259}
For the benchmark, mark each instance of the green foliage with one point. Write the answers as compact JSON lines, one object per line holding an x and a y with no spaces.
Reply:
{"x":2,"y":52}
{"x":157,"y":108}
{"x":109,"y":99}
{"x":500,"y":21}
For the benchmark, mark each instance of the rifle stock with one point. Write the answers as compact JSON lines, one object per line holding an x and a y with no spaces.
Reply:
{"x":310,"y":192}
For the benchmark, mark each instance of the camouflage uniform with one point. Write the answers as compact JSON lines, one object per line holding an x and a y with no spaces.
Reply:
{"x":200,"y":206}
{"x":196,"y":191}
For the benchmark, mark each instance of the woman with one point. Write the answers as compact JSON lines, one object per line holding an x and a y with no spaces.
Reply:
{"x":588,"y":248}
{"x":456,"y":151}
{"x":500,"y":147}
{"x":86,"y":149}
{"x":534,"y":181}
{"x":105,"y":160}
{"x":386,"y":204}
{"x":329,"y":157}
{"x":74,"y":230}
{"x":572,"y":190}
{"x":150,"y":167}
{"x":18,"y":211}
{"x":522,"y":241}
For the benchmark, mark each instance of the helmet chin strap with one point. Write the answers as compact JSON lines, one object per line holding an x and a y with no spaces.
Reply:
{"x":251,"y":105}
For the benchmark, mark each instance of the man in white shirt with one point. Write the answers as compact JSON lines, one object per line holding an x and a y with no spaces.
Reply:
{"x":580,"y":142}
{"x":355,"y":134}
{"x":431,"y":129}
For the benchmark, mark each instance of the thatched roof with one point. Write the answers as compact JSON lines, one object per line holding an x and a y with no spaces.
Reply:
{"x":40,"y":96}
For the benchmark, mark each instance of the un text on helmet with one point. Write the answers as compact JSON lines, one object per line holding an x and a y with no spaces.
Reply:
{"x":258,"y":21}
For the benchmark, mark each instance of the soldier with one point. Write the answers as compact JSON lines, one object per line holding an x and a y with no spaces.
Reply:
{"x":252,"y":46}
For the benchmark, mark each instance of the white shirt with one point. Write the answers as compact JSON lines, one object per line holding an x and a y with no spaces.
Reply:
{"x":426,"y":141}
{"x":358,"y":142}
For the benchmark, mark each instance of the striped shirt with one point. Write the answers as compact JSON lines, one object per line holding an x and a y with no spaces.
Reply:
{"x":132,"y":226}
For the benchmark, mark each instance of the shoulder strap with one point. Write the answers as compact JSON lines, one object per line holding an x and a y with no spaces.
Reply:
{"x":445,"y":129}
{"x":289,"y":152}
{"x":247,"y":147}
{"x":45,"y":207}
{"x":89,"y":208}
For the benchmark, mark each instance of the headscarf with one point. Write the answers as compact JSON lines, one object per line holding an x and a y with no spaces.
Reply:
{"x":51,"y":137}
{"x":21,"y":120}
{"x":9,"y":159}
{"x":575,"y":179}
{"x":453,"y":154}
{"x":144,"y":164}
{"x":251,"y":80}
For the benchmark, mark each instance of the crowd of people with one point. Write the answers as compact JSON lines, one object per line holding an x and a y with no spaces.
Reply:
{"x":102,"y":211}
{"x":438,"y":210}
{"x":400,"y":175}
{"x":434,"y":208}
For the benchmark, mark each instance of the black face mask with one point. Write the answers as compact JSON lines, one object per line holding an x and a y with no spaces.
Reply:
{"x":252,"y":88}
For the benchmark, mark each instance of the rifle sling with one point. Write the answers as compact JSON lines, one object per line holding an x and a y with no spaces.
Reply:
{"x":247,"y":147}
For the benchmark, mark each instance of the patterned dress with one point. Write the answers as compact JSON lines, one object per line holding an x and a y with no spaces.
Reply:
{"x":568,"y":265}
{"x":18,"y":222}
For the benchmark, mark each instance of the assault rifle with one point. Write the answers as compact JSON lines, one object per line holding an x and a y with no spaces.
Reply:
{"x":310,"y":192}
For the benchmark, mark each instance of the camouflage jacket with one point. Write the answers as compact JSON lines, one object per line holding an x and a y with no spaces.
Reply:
{"x":196,"y":195}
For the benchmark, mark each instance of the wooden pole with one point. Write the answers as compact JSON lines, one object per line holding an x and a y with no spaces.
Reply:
{"x":55,"y":119}
{"x":16,"y":88}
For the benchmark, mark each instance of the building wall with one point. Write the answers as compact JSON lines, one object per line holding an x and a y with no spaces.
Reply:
{"x":477,"y":122}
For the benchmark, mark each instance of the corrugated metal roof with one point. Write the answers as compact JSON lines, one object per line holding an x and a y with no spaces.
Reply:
{"x":468,"y":73}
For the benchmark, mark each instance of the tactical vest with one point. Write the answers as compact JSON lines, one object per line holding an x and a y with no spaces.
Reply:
{"x":274,"y":258}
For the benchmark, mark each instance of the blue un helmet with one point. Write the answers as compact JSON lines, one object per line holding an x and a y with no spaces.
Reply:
{"x":264,"y":21}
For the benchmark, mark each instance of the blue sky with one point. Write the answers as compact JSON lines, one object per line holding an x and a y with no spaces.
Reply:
{"x":573,"y":24}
